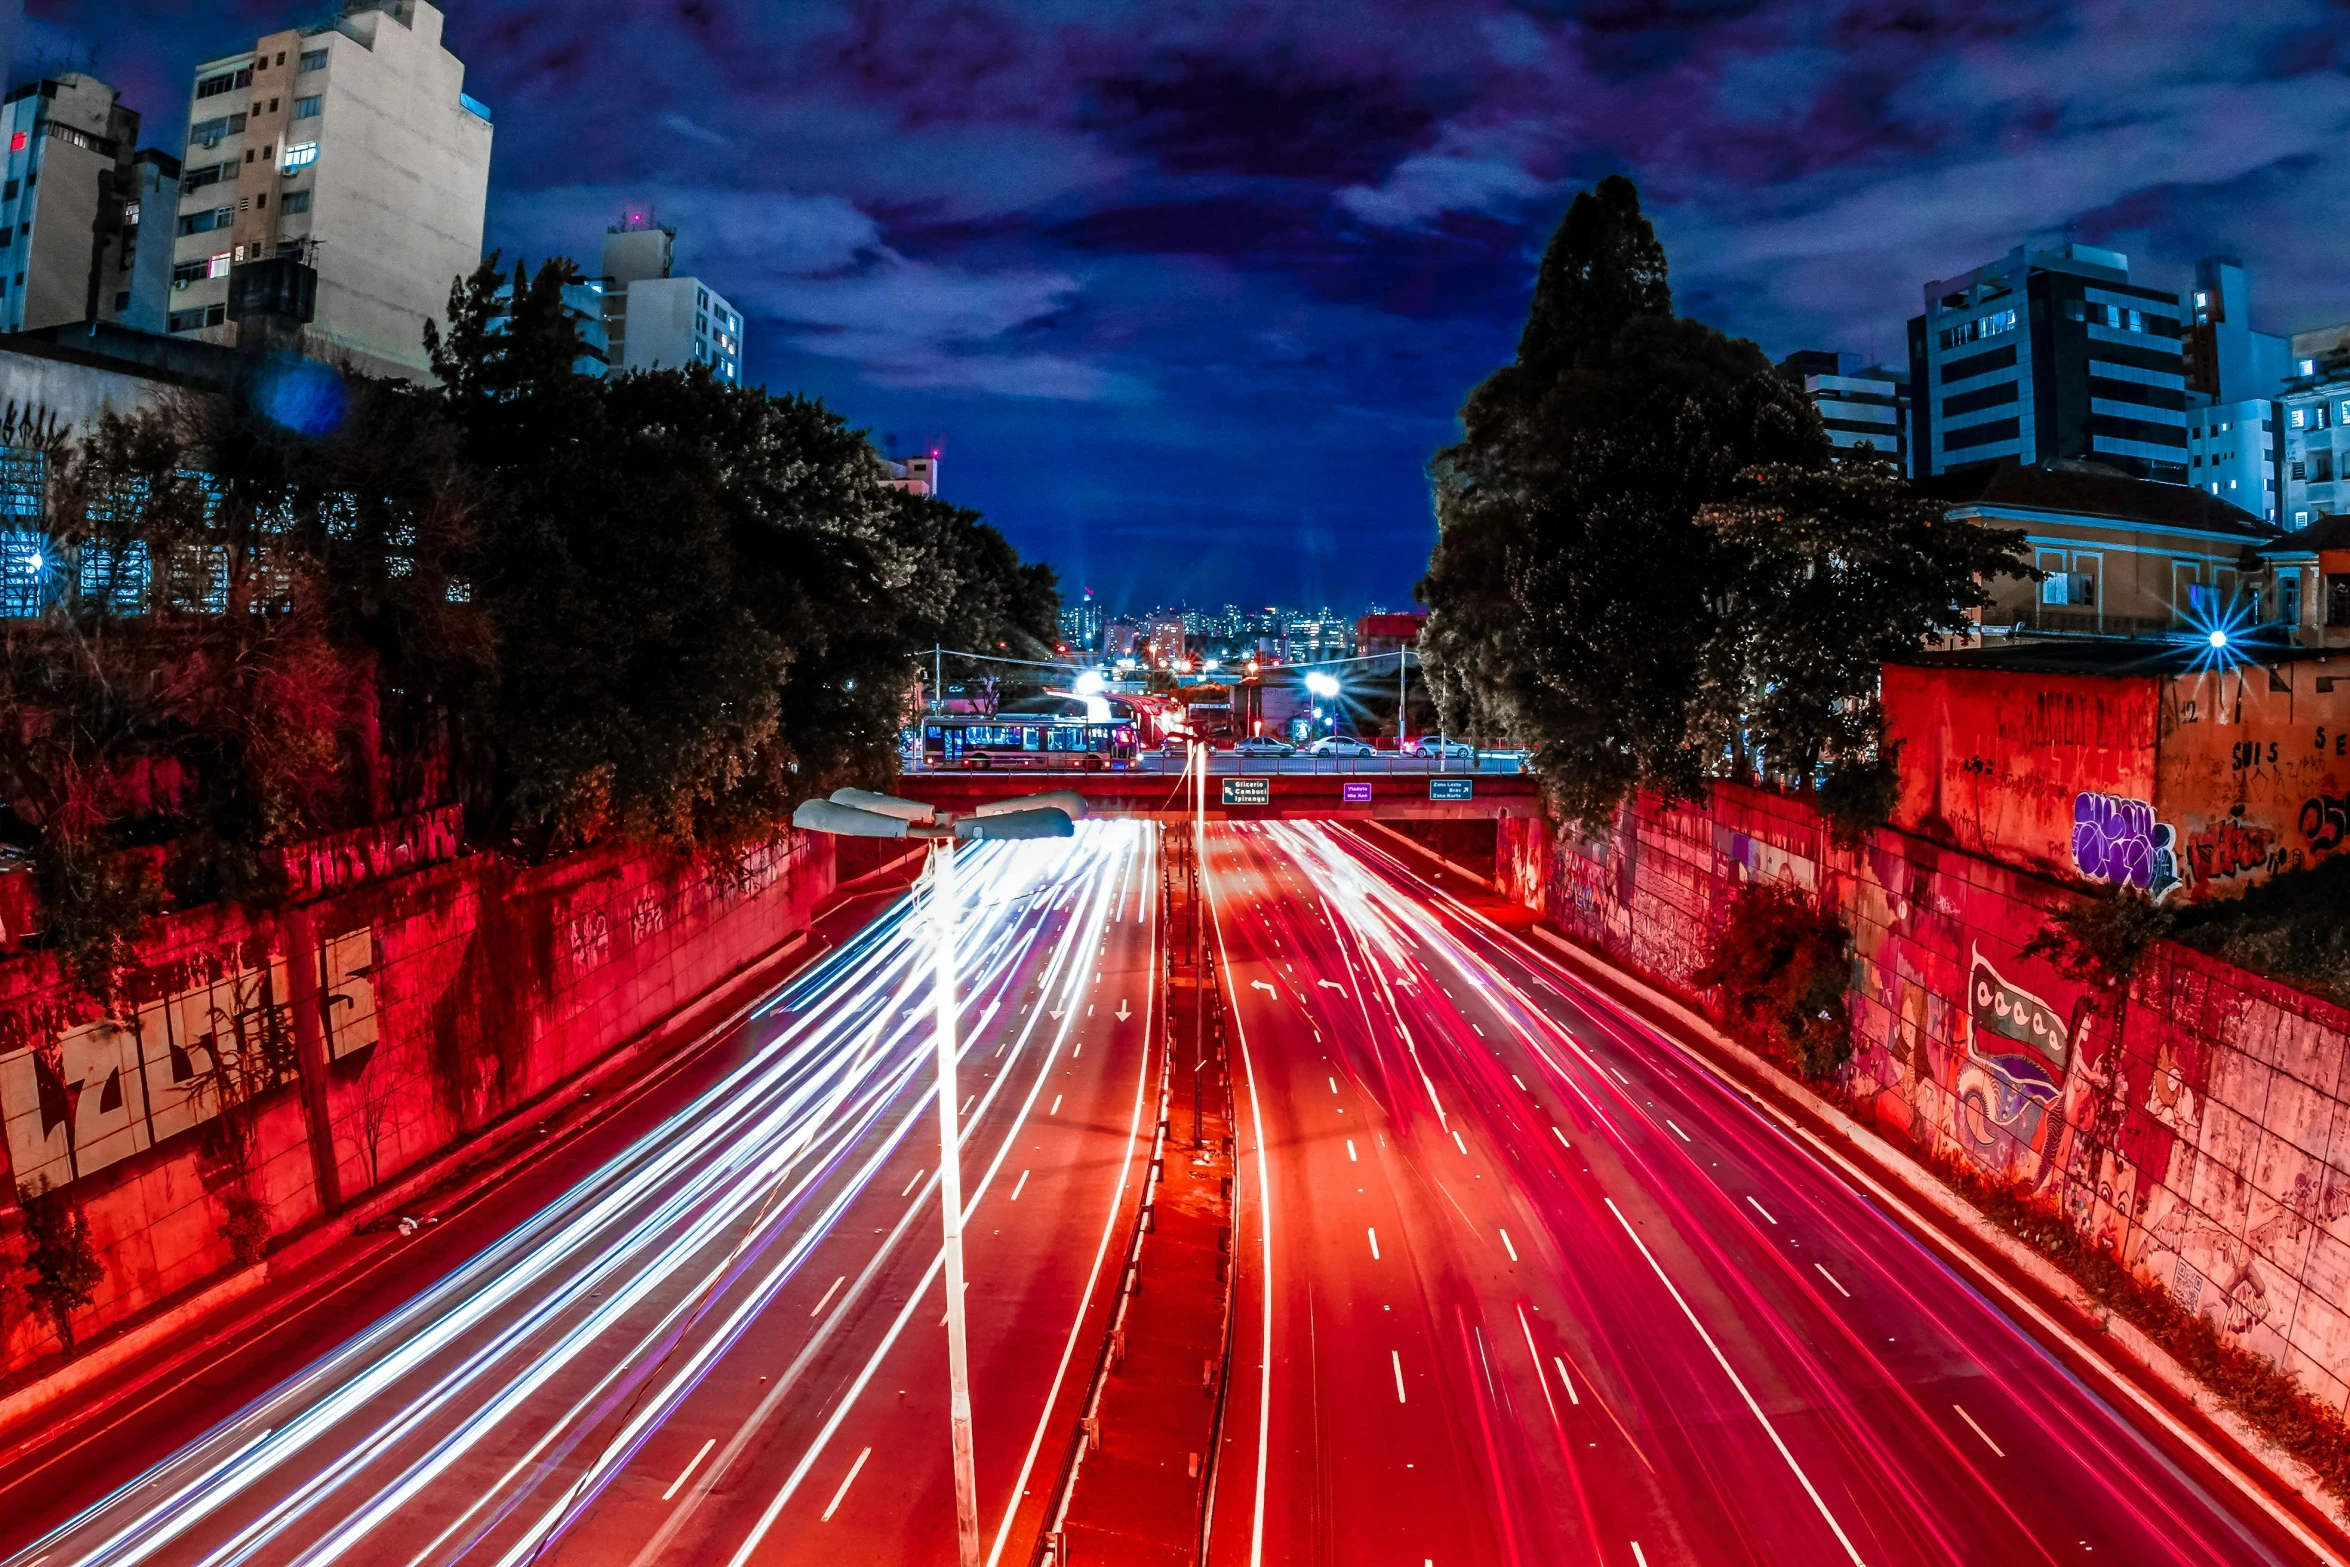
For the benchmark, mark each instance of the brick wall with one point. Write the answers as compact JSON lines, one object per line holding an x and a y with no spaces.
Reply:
{"x":2210,"y":1150}
{"x":312,"y":1054}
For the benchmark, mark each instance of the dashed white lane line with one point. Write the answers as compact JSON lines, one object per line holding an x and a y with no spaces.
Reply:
{"x":1677,"y":1132}
{"x":1056,"y":1109}
{"x":1639,"y":1557}
{"x":1621,"y":1078}
{"x":1831,"y":1278}
{"x":1351,"y":1157}
{"x":1021,"y":1185}
{"x":918,"y":1174}
{"x":1979,"y":1431}
{"x":818,"y":1308}
{"x":1738,"y":1382}
{"x":1565,"y":1381}
{"x":1464,"y":1147}
{"x":1759,"y":1208}
{"x":1397,"y":1358}
{"x":683,"y":1475}
{"x":1562,"y":1137}
{"x":1334,"y":1085}
{"x":1521,"y":1082}
{"x":1374,"y":1234}
{"x":1506,"y":1246}
{"x":834,"y":1505}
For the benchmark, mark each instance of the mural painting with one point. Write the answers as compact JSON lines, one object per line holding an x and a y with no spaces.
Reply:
{"x":2118,"y":840}
{"x":2007,"y":1085}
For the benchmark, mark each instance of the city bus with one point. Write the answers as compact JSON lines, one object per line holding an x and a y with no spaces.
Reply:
{"x":1027,"y":740}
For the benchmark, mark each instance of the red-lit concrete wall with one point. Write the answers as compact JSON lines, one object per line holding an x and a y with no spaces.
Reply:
{"x":408,"y":1012}
{"x":2208,"y":1147}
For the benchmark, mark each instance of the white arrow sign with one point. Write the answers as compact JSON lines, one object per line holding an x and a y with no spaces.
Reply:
{"x":1258,"y":984}
{"x":1122,"y":1014}
{"x":1330,"y":984}
{"x":1055,"y":1013}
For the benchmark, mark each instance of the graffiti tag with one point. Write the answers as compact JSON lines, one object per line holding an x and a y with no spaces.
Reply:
{"x":2118,"y":840}
{"x":2325,"y":818}
{"x":2229,"y":849}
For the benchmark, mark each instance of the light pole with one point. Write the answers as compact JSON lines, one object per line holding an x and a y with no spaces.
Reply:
{"x":859,"y":813}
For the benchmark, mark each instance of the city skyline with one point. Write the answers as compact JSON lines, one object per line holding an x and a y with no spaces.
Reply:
{"x":1158,"y":350}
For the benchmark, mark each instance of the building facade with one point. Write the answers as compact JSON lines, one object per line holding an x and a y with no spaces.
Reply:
{"x":2233,"y":451}
{"x":2047,"y":355}
{"x":914,"y":475}
{"x":1081,"y":624}
{"x":349,"y":144}
{"x":76,"y":203}
{"x":655,"y":321}
{"x":1864,"y":410}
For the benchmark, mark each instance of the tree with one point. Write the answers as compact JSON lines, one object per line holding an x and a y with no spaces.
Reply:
{"x":64,"y":1262}
{"x":1579,"y":601}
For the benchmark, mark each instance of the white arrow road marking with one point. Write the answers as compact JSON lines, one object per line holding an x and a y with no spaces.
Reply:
{"x":1122,"y":1014}
{"x":1330,"y":984}
{"x":1258,"y":984}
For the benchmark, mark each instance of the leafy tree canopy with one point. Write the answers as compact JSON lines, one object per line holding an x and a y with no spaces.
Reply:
{"x":1648,"y":571}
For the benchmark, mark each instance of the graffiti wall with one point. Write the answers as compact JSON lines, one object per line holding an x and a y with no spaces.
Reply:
{"x":301,"y":1059}
{"x":2193,"y":786}
{"x":2200,"y":1135}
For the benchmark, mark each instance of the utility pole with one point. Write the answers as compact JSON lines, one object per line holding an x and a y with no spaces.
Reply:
{"x":1400,"y":681}
{"x":950,"y":1197}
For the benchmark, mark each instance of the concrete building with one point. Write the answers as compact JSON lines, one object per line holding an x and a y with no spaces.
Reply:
{"x":2232,"y":452}
{"x":348,"y":145}
{"x":1081,"y":624}
{"x":2046,"y":355}
{"x":2122,"y":556}
{"x":915,"y":475}
{"x":75,"y":205}
{"x":656,"y":321}
{"x":2313,"y":406}
{"x":1863,"y":409}
{"x":583,"y":302}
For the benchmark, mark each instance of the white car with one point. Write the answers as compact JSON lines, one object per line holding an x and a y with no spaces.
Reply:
{"x":1262,"y":745}
{"x":1341,"y":745}
{"x":1439,"y":749}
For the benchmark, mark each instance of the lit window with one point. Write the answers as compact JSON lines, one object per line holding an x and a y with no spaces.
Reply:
{"x":220,"y":265}
{"x":299,"y":156}
{"x":16,"y":143}
{"x":2309,"y":367}
{"x":2298,"y":418}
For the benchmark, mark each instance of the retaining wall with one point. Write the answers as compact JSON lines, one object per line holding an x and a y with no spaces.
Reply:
{"x":2205,"y":1141}
{"x":306,"y":1056}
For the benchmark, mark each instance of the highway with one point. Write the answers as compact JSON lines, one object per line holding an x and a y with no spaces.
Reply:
{"x":722,"y":1341}
{"x":1522,"y":1285}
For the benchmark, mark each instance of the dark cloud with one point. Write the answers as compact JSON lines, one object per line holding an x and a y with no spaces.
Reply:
{"x":1188,"y":293}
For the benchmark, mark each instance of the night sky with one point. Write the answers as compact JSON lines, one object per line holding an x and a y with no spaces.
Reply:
{"x":1188,"y":291}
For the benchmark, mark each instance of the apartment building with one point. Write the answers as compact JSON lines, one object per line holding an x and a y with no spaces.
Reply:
{"x":1863,"y":409}
{"x":2045,"y":355}
{"x":653,"y":320}
{"x":76,"y":202}
{"x":348,"y":146}
{"x":914,"y":475}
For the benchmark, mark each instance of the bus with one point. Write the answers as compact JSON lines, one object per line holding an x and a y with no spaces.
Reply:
{"x":1055,"y":744}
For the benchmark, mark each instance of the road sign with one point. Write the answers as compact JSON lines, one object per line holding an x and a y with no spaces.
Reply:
{"x":1355,"y":793}
{"x":1452,"y":788}
{"x":1248,"y":791}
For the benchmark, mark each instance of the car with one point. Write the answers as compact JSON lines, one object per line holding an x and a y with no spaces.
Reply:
{"x":1262,"y":745}
{"x":1341,"y":745}
{"x":1437,"y":748}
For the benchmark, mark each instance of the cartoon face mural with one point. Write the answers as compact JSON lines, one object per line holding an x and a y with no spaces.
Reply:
{"x":2118,"y":840}
{"x":2018,"y":1052}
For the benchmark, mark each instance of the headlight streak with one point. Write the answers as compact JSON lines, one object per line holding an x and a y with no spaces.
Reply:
{"x":804,"y":1101}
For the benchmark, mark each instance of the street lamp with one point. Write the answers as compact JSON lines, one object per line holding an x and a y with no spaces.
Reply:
{"x":860,"y":813}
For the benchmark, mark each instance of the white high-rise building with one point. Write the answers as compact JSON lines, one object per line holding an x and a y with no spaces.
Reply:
{"x":655,"y":321}
{"x":75,"y":205}
{"x":349,"y":145}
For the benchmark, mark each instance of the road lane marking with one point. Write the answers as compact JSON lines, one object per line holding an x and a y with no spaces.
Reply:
{"x":1056,"y":1109}
{"x":1759,"y":1208}
{"x":818,"y":1308}
{"x":1020,"y":1185}
{"x":1565,"y":1381}
{"x":1621,"y":1078}
{"x":1479,"y":1032}
{"x":1397,"y":1357}
{"x":1456,"y":1137}
{"x":1506,"y":1246}
{"x":1374,"y":1234}
{"x":1334,"y":1085}
{"x":1350,"y":1152}
{"x":1677,"y":1132}
{"x":1521,"y":1082}
{"x":1639,"y":1557}
{"x":967,"y":1104}
{"x":1978,"y":1430}
{"x":1737,"y":1382}
{"x":834,"y":1505}
{"x":911,"y":1184}
{"x":1831,"y":1278}
{"x":1562,"y":1137}
{"x":687,"y":1472}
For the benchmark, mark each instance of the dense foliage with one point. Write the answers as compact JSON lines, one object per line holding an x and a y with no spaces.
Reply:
{"x":655,"y":607}
{"x":2295,"y":926}
{"x":1648,"y":570}
{"x":1779,"y":967}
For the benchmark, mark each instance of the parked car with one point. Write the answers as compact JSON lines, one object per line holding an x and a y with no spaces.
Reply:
{"x":1262,"y":745}
{"x":1341,"y":745}
{"x":1437,"y":748}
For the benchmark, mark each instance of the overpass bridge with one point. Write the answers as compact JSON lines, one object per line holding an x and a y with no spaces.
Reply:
{"x":1481,"y":796}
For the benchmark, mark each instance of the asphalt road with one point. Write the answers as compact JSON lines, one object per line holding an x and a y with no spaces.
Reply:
{"x":1520,"y":1285}
{"x":719,"y":1338}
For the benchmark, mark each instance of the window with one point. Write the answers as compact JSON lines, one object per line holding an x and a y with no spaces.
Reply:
{"x":308,"y":108}
{"x":2298,"y":419}
{"x":191,"y":272}
{"x":295,"y":201}
{"x":198,"y":318}
{"x":197,"y":179}
{"x":226,"y":81}
{"x":1981,"y":327}
{"x":314,"y":59}
{"x":2321,"y":467}
{"x":273,"y":106}
{"x":206,"y":222}
{"x":16,"y":142}
{"x":2289,"y":598}
{"x":219,"y":265}
{"x":2308,"y":367}
{"x":299,"y":156}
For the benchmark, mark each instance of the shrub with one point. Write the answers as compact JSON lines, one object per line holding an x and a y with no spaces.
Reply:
{"x":64,"y":1263}
{"x":1780,"y":965}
